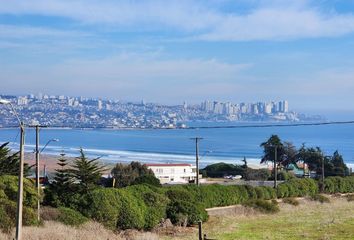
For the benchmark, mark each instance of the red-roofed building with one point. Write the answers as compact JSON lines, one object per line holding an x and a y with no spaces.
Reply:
{"x":174,"y":172}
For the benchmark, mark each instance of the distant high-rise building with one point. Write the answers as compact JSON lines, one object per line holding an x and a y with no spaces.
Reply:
{"x":286,"y":106}
{"x":22,"y":101}
{"x":268,"y":108}
{"x":99,"y":104}
{"x":218,"y":108}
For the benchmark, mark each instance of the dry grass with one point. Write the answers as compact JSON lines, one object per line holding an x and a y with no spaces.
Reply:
{"x":89,"y":231}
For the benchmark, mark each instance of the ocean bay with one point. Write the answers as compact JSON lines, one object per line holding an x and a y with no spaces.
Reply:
{"x":174,"y":145}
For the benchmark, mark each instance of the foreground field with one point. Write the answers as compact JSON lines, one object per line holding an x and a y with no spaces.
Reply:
{"x":309,"y":220}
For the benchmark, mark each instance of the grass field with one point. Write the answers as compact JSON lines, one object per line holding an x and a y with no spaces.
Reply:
{"x":309,"y":220}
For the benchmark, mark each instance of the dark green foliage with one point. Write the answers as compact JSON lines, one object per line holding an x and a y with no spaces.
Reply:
{"x":8,"y":213}
{"x":147,"y":179}
{"x":320,"y":198}
{"x":223,"y":169}
{"x":154,"y":201}
{"x":70,"y":217}
{"x":339,"y":184}
{"x":263,"y":206}
{"x":9,"y":188}
{"x":297,"y":188}
{"x":59,"y":193}
{"x":291,"y":201}
{"x":8,"y":198}
{"x":86,"y":172}
{"x":10,"y":163}
{"x":105,"y":206}
{"x":138,"y":206}
{"x":125,"y":175}
{"x":336,"y":166}
{"x":286,"y":152}
{"x":180,"y":211}
{"x":265,"y":193}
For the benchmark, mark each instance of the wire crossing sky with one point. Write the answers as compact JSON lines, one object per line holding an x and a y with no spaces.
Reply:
{"x":182,"y":50}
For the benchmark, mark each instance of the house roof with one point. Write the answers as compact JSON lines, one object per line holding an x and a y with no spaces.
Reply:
{"x":168,"y":165}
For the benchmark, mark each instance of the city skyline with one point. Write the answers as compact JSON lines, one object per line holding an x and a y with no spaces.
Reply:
{"x":237,"y":51}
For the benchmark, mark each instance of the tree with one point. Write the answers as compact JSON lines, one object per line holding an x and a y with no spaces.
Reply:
{"x":312,"y":157}
{"x":269,"y":148}
{"x":86,"y":172}
{"x":10,"y":163}
{"x":338,"y":167}
{"x":125,"y":175}
{"x":286,"y":152}
{"x":59,"y":191}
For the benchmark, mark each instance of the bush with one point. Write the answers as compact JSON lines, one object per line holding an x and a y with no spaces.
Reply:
{"x":8,"y":212}
{"x":49,"y":213}
{"x":71,"y":217}
{"x":297,"y":188}
{"x":105,"y":206}
{"x":180,"y":211}
{"x":291,"y":201}
{"x":320,"y":198}
{"x":339,"y":184}
{"x":147,"y":179}
{"x":350,"y":197}
{"x":9,"y":188}
{"x":263,"y":206}
{"x":155,"y":203}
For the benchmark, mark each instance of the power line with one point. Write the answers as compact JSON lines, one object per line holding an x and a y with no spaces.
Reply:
{"x":198,"y":127}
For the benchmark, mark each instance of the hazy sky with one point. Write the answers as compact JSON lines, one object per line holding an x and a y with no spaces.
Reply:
{"x":169,"y":51}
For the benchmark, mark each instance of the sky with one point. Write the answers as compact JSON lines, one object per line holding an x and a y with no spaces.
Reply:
{"x":182,"y":50}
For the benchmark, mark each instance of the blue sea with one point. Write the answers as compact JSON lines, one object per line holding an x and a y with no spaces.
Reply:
{"x":174,"y":145}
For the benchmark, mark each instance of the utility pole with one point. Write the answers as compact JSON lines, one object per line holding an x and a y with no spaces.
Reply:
{"x":323,"y":175}
{"x":275,"y":166}
{"x":197,"y":158}
{"x":20,"y":185}
{"x":37,"y":173}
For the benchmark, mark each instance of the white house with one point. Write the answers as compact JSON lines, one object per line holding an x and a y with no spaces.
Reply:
{"x":173,"y":173}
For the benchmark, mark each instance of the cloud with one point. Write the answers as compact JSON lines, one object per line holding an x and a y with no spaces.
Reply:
{"x":280,"y":24}
{"x":127,"y":76}
{"x":20,"y":32}
{"x":198,"y":20}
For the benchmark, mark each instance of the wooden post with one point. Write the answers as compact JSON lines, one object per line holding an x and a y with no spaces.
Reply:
{"x":200,"y":234}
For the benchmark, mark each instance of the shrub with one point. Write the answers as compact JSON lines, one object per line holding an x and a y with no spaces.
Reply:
{"x":291,"y":201}
{"x":263,"y":206}
{"x":177,"y":211}
{"x":132,"y":212}
{"x":297,"y":188}
{"x":154,"y":201}
{"x":71,"y":217}
{"x":350,"y":197}
{"x":147,"y":179}
{"x":105,"y":206}
{"x":8,"y":215}
{"x":49,"y":213}
{"x":6,"y":223}
{"x":9,"y":187}
{"x":320,"y":198}
{"x":339,"y":184}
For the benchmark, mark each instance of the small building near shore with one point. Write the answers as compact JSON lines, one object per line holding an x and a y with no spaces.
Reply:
{"x":173,"y":173}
